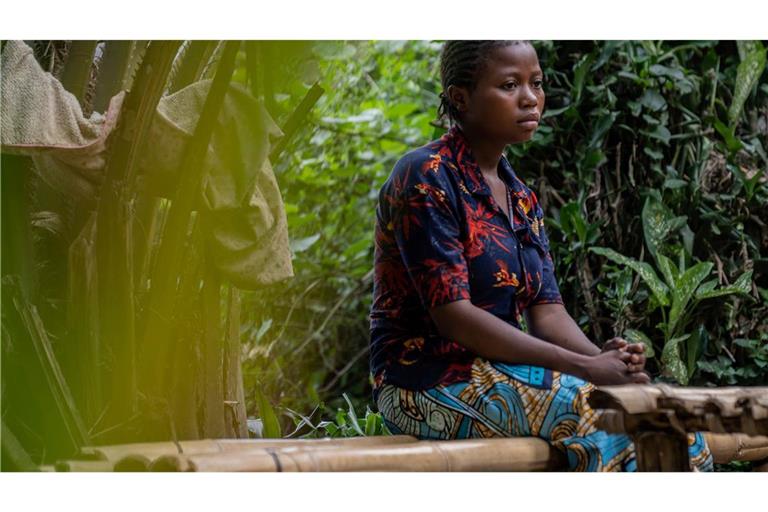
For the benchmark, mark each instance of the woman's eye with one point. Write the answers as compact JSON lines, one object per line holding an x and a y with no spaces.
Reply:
{"x":510,"y":85}
{"x":538,"y":84}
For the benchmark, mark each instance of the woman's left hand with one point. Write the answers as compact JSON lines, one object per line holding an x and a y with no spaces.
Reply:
{"x":636,"y":362}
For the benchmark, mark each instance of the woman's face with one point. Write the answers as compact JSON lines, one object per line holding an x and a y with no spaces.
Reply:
{"x":507,"y":103}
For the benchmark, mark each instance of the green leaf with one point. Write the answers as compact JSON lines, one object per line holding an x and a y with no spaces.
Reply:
{"x":674,"y":183}
{"x":660,"y":133}
{"x":668,"y":270}
{"x":731,"y":142}
{"x":354,"y":422}
{"x":579,"y":76}
{"x":268,"y":416}
{"x":694,"y":348}
{"x":302,"y":244}
{"x":673,"y":363}
{"x":644,"y":270}
{"x":683,"y":290}
{"x":747,"y":75}
{"x":652,"y":100}
{"x":635,"y":336}
{"x":601,"y":128}
{"x":742,"y":285}
{"x":370,"y":424}
{"x":657,"y":223}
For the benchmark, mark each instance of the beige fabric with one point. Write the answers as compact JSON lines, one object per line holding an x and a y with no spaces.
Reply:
{"x":239,"y":195}
{"x":39,"y":118}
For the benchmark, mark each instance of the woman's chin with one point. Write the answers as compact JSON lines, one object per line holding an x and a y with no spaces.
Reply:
{"x":519,"y":138}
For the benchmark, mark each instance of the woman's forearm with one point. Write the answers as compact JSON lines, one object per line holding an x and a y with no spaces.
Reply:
{"x":494,"y":339}
{"x":552,"y":323}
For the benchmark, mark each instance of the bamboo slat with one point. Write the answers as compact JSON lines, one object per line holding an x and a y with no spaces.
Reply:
{"x":737,"y":447}
{"x":68,"y":466}
{"x":720,"y":410}
{"x":499,"y":454}
{"x":658,"y":417}
{"x":152,"y":451}
{"x":377,"y":453}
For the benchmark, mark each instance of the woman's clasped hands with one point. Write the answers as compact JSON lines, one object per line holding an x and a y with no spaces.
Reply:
{"x":619,"y":362}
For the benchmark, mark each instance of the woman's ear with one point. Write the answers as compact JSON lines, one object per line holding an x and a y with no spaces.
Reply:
{"x":459,"y":97}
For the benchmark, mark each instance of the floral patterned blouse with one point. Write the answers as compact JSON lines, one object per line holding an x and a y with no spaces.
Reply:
{"x":440,"y":237}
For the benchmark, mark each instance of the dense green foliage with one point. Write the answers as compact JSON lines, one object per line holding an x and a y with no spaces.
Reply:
{"x":651,"y":167}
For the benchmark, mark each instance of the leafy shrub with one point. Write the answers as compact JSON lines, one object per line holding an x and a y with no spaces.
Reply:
{"x":633,"y":130}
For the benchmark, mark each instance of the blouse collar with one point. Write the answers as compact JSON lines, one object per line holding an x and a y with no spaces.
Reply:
{"x":470,"y":170}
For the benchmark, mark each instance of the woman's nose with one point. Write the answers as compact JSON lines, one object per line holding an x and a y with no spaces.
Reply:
{"x":528,"y":97}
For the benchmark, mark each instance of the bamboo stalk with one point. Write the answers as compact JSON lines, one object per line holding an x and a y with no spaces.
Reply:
{"x":187,"y":377}
{"x":77,"y":69}
{"x":17,"y":249}
{"x":112,"y":71}
{"x":114,"y":229}
{"x":158,"y":327}
{"x":192,"y":64}
{"x":83,"y":466}
{"x":151,"y":451}
{"x":136,"y":55}
{"x":499,"y":454}
{"x":252,"y":66}
{"x":53,"y":376}
{"x":736,"y":447}
{"x":517,"y":454}
{"x":213,"y":356}
{"x":235,"y":393}
{"x":83,"y":321}
{"x":13,"y":456}
{"x":297,"y":117}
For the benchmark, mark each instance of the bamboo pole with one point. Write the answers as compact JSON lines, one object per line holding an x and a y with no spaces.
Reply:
{"x":213,"y":356}
{"x":89,"y":466}
{"x":159,"y":322}
{"x":516,"y":454}
{"x":115,"y":454}
{"x":112,"y":71}
{"x":186,"y":381}
{"x":498,"y":454}
{"x":57,"y":384}
{"x":13,"y":456}
{"x":736,"y":447}
{"x":192,"y":63}
{"x":83,"y":322}
{"x":237,"y":426}
{"x":161,"y":308}
{"x":114,"y":233}
{"x":77,"y":68}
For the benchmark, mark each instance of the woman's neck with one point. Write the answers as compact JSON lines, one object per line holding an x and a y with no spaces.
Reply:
{"x":487,"y":152}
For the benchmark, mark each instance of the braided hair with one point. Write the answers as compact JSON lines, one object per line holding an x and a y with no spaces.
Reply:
{"x":460,"y":65}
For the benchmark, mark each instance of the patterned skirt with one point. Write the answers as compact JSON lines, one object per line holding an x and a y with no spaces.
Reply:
{"x":504,"y":400}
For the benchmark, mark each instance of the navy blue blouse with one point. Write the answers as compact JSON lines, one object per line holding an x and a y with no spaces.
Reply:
{"x":440,"y":237}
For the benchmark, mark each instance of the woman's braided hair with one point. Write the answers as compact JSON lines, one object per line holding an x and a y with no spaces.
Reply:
{"x":460,"y":64}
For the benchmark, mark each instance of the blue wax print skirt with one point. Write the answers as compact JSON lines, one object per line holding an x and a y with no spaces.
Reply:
{"x":505,"y":400}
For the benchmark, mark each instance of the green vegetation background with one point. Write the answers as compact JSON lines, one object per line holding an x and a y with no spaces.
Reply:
{"x":651,"y":167}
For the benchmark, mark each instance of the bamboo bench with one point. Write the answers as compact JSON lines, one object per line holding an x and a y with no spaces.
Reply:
{"x":735,"y":421}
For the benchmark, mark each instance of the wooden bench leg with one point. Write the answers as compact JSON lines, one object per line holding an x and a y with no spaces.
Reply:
{"x":661,"y":451}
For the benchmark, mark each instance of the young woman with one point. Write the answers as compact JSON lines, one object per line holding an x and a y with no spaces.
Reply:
{"x":461,"y":253}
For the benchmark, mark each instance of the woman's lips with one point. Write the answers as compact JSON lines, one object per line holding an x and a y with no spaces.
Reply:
{"x":529,"y":123}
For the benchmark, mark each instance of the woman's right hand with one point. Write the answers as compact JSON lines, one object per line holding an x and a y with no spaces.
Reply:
{"x":610,"y":368}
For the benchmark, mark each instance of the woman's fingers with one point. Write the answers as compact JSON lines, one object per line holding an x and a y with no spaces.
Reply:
{"x":615,"y":344}
{"x":621,"y":355}
{"x":640,"y":378}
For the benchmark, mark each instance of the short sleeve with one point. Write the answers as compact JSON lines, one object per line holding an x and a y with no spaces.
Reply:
{"x":549,"y":293}
{"x":422,"y":207}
